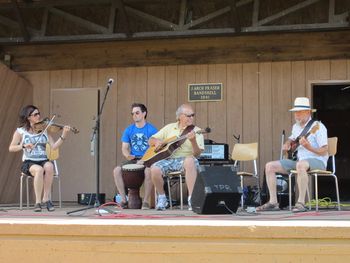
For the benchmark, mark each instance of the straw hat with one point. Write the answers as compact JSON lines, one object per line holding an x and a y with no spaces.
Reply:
{"x":302,"y":103}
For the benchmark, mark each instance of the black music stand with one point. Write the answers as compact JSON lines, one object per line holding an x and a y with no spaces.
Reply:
{"x":95,"y":142}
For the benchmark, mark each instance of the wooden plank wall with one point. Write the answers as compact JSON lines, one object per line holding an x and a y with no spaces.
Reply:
{"x":15,"y":92}
{"x":257,"y":97}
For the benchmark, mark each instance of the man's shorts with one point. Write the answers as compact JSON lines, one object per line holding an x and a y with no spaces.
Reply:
{"x":313,"y":163}
{"x":173,"y":164}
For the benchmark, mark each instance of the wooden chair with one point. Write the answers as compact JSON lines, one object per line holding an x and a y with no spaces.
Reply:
{"x":332,"y":150}
{"x":244,"y":153}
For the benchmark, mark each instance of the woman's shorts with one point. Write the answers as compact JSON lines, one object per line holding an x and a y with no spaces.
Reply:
{"x":28,"y":163}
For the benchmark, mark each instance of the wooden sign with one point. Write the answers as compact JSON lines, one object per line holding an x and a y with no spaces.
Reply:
{"x":205,"y":92}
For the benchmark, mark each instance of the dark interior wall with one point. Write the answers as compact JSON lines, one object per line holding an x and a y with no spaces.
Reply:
{"x":332,"y":102}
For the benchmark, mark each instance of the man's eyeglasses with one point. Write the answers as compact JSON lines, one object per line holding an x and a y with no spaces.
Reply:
{"x":35,"y":114}
{"x":189,"y":115}
{"x":135,"y":113}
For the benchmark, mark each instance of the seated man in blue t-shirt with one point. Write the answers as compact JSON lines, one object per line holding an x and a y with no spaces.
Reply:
{"x":134,"y":145}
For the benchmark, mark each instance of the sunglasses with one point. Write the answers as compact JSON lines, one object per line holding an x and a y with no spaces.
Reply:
{"x":189,"y":115}
{"x":135,"y":113}
{"x":35,"y":114}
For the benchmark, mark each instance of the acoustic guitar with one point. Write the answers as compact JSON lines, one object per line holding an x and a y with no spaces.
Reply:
{"x":169,"y":145}
{"x":293,"y":151}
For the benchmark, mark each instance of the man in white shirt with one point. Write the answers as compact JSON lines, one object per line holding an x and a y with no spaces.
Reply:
{"x":312,"y":154}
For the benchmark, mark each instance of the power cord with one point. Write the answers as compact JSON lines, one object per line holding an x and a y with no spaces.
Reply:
{"x":240,"y":211}
{"x":325,"y":202}
{"x":106,"y":208}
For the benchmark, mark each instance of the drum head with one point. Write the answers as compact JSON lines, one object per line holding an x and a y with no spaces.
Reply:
{"x":133,"y":167}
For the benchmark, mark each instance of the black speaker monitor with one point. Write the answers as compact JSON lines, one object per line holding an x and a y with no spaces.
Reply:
{"x":215,"y":188}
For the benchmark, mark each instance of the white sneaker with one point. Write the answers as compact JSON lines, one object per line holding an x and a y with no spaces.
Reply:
{"x":189,"y":204}
{"x":162,"y":203}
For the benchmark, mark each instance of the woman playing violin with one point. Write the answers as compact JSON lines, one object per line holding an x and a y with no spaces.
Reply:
{"x":35,"y":160}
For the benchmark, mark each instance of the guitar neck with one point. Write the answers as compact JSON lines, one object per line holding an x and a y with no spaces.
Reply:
{"x":184,"y":136}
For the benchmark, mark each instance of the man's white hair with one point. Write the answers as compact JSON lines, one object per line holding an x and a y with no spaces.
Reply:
{"x":180,"y":110}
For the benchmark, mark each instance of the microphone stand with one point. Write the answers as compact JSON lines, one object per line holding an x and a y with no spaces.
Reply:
{"x":95,"y":143}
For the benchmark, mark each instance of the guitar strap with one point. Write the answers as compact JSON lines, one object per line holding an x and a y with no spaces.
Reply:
{"x":305,"y":130}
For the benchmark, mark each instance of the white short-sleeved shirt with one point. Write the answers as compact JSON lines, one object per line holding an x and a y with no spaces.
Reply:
{"x":317,"y":140}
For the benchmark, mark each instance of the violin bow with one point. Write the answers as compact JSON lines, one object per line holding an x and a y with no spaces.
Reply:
{"x":42,"y":132}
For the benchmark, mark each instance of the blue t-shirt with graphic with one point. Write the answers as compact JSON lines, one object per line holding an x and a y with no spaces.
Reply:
{"x":138,"y":138}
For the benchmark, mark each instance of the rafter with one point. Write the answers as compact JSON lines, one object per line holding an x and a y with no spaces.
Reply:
{"x":255,"y":17}
{"x":44,"y":22}
{"x":234,"y":18}
{"x":156,"y":20}
{"x":286,"y":12}
{"x":21,"y":22}
{"x":122,"y":12}
{"x":182,"y":13}
{"x":14,"y":24}
{"x":125,"y":17}
{"x":111,"y":20}
{"x":83,"y":22}
{"x":208,"y":17}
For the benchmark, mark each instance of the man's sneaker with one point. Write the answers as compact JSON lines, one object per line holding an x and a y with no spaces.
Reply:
{"x":49,"y":206}
{"x":162,"y":203}
{"x":145,"y":206}
{"x":189,"y":204}
{"x":37,"y":207}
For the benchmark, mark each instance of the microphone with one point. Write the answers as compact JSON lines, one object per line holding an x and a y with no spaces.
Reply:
{"x":110,"y":81}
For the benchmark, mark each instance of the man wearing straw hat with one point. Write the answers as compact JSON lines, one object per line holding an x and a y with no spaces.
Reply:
{"x":312,"y":153}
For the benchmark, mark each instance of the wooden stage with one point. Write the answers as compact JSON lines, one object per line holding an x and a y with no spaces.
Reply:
{"x":173,"y":236}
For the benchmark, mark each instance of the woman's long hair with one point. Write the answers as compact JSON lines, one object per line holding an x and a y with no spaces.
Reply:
{"x":24,"y":114}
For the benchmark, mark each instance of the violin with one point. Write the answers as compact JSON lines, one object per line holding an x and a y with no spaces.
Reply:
{"x":53,"y":128}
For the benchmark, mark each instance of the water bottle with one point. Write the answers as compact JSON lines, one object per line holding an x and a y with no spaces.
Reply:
{"x":118,"y":198}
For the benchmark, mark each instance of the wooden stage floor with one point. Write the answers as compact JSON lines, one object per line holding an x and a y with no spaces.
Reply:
{"x":173,"y":236}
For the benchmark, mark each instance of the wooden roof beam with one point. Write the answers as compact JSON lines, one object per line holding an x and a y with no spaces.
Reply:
{"x":14,"y":24}
{"x":331,"y":11}
{"x":255,"y":16}
{"x":83,"y":22}
{"x":111,"y":20}
{"x":296,"y":27}
{"x":243,"y":2}
{"x":286,"y":12}
{"x":121,"y":8}
{"x":22,"y":26}
{"x":182,"y":13}
{"x":208,"y":17}
{"x":234,"y":16}
{"x":156,"y":20}
{"x":54,"y":3}
{"x":44,"y":22}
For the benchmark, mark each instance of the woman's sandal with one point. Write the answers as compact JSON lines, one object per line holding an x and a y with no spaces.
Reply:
{"x":299,"y":207}
{"x":268,"y":207}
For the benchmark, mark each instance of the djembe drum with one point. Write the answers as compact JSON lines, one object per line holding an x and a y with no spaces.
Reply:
{"x":133,"y":177}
